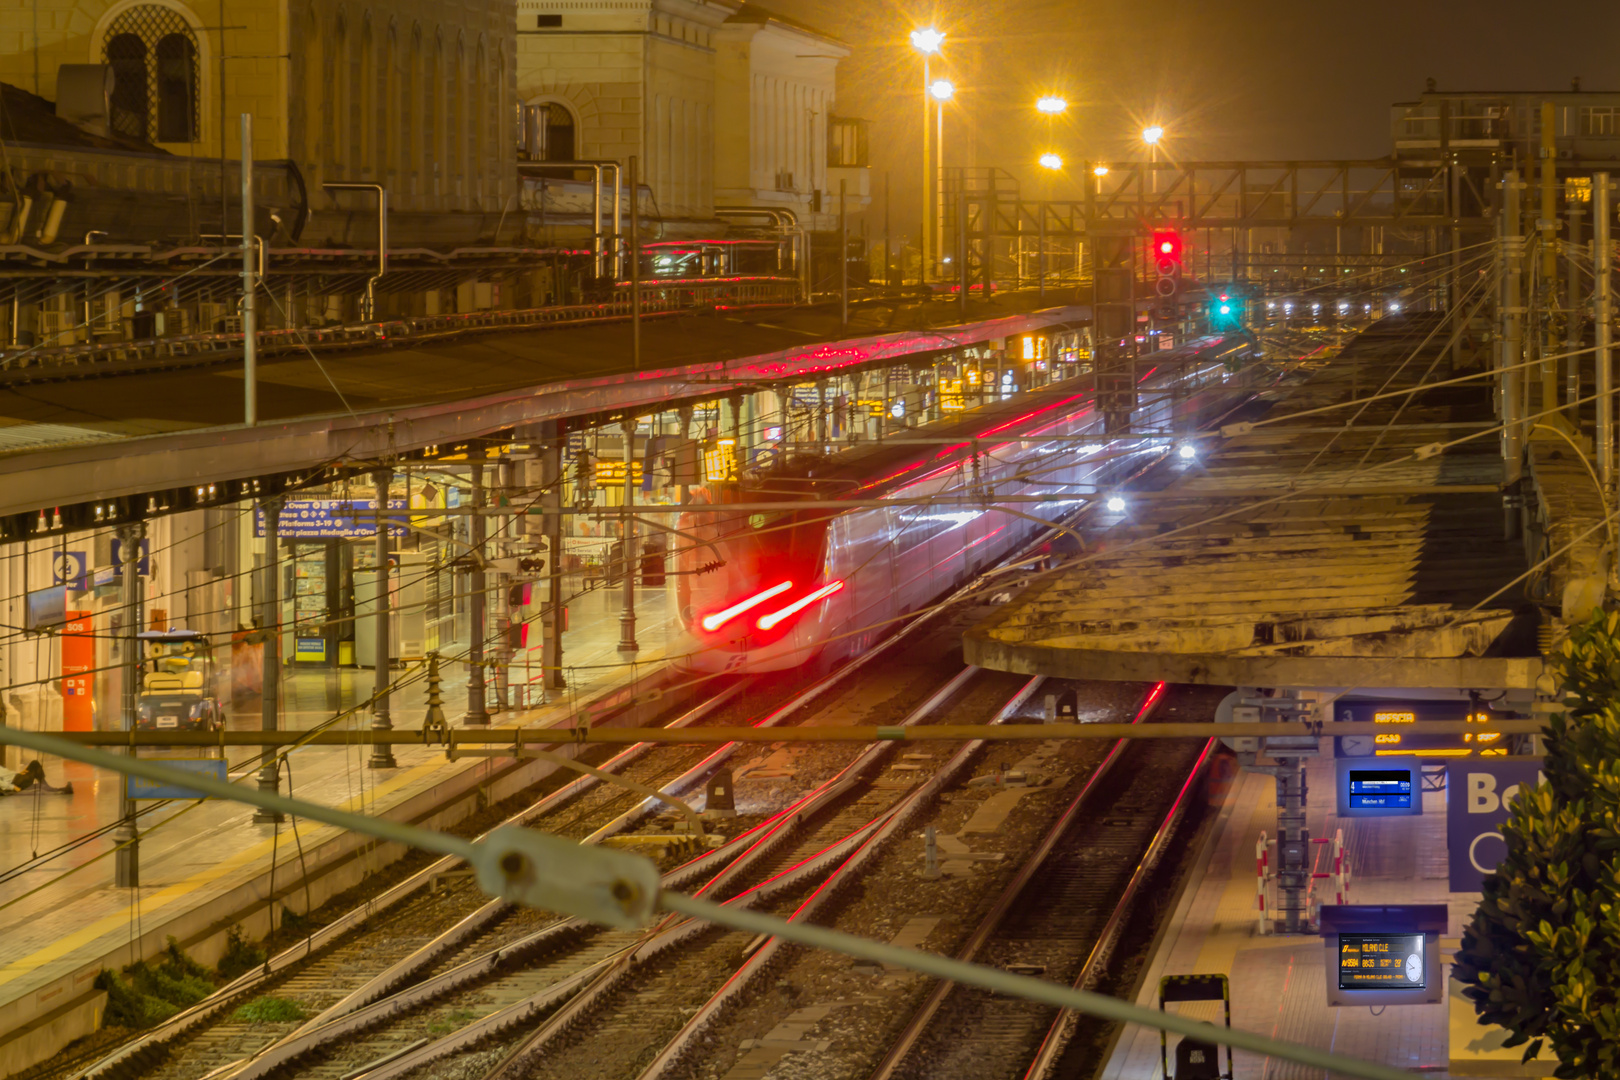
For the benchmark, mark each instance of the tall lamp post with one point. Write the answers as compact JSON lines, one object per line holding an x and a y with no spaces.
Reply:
{"x":1052,"y":162}
{"x":941,"y":91}
{"x":926,"y":41}
{"x":1151,"y":135}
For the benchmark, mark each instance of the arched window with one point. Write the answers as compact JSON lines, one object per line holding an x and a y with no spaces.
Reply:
{"x":153,"y":54}
{"x":549,"y":133}
{"x":176,"y":88}
{"x":126,"y":53}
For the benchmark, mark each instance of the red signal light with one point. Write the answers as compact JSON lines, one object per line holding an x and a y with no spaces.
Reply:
{"x":1167,"y":244}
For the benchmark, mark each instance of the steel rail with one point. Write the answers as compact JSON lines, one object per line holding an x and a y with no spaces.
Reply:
{"x":1063,"y":1026}
{"x":182,"y":1022}
{"x":686,"y":1040}
{"x":583,"y":990}
{"x":381,"y":998}
{"x":914,"y":1029}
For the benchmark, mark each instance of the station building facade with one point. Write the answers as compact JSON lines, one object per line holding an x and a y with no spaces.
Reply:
{"x":411,"y":94}
{"x":724,"y":104}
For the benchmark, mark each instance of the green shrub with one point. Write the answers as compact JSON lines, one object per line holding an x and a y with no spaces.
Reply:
{"x":1541,"y":956}
{"x":269,"y":1010}
{"x":241,"y":955}
{"x":144,"y":994}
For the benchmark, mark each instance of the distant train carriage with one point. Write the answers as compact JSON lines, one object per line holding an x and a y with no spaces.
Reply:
{"x":774,"y":588}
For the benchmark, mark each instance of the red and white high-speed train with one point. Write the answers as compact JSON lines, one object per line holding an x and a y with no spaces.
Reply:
{"x":819,"y":583}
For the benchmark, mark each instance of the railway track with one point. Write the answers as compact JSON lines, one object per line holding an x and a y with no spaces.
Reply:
{"x":441,"y":943}
{"x":410,"y":918}
{"x":784,"y":855}
{"x":1060,"y":918}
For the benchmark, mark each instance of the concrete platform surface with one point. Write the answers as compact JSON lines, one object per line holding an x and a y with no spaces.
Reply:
{"x":1278,"y":985}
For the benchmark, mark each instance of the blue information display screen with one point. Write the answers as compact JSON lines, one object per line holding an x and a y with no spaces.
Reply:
{"x":1381,"y":962}
{"x":1389,"y":789}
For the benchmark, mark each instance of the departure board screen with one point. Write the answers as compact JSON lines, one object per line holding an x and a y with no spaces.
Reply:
{"x":1373,"y":789}
{"x":1381,"y":962}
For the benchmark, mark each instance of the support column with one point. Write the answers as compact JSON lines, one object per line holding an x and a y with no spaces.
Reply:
{"x":1547,"y":225}
{"x":627,"y":615}
{"x":250,"y":282}
{"x":684,"y":414}
{"x":821,"y":414}
{"x":500,"y":595}
{"x":1512,"y":351}
{"x":382,"y":754}
{"x":477,"y":711}
{"x":127,"y":862}
{"x":843,"y":259}
{"x":1573,"y":322}
{"x":1293,"y":847}
{"x":552,"y":616}
{"x":1456,"y":305}
{"x":1602,"y":314}
{"x":270,"y":625}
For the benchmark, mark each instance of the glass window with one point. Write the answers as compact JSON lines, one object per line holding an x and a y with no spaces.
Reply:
{"x":153,"y":54}
{"x":547,"y":133}
{"x":126,"y":53}
{"x":176,"y":88}
{"x":1598,"y":119}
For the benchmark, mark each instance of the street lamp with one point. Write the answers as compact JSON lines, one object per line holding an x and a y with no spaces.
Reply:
{"x":1100,"y":170}
{"x":1151,"y":135}
{"x":1051,"y":161}
{"x":941,"y":90}
{"x":926,"y":41}
{"x":1051,"y":105}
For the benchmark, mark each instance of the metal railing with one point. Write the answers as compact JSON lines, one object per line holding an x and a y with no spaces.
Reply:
{"x":657,"y":298}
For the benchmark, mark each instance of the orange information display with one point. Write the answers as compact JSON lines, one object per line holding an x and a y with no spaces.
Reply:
{"x":1381,"y":961}
{"x":78,"y":684}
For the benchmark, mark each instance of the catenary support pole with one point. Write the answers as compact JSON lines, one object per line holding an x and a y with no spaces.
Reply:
{"x":635,"y":265}
{"x":250,"y":284}
{"x":1513,"y":376}
{"x":382,"y":755}
{"x":270,"y":627}
{"x":1602,"y":313}
{"x":843,"y":259}
{"x":554,"y":617}
{"x":627,"y":614}
{"x":127,"y":863}
{"x":477,"y":597}
{"x":1574,"y":321}
{"x":1547,"y":225}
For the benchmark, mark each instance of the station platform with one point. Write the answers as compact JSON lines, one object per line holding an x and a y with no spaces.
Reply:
{"x":1278,"y":985}
{"x":206,"y":865}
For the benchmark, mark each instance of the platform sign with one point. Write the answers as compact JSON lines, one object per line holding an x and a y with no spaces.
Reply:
{"x":68,"y":568}
{"x":78,"y":661}
{"x":326,"y":519}
{"x":1379,"y":787}
{"x":1383,"y":954}
{"x":1381,"y":962}
{"x":143,"y":564}
{"x":1395,"y":738}
{"x":138,"y":787}
{"x":1479,"y":799}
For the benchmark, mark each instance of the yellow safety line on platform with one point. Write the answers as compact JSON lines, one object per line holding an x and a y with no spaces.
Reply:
{"x":169,"y":894}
